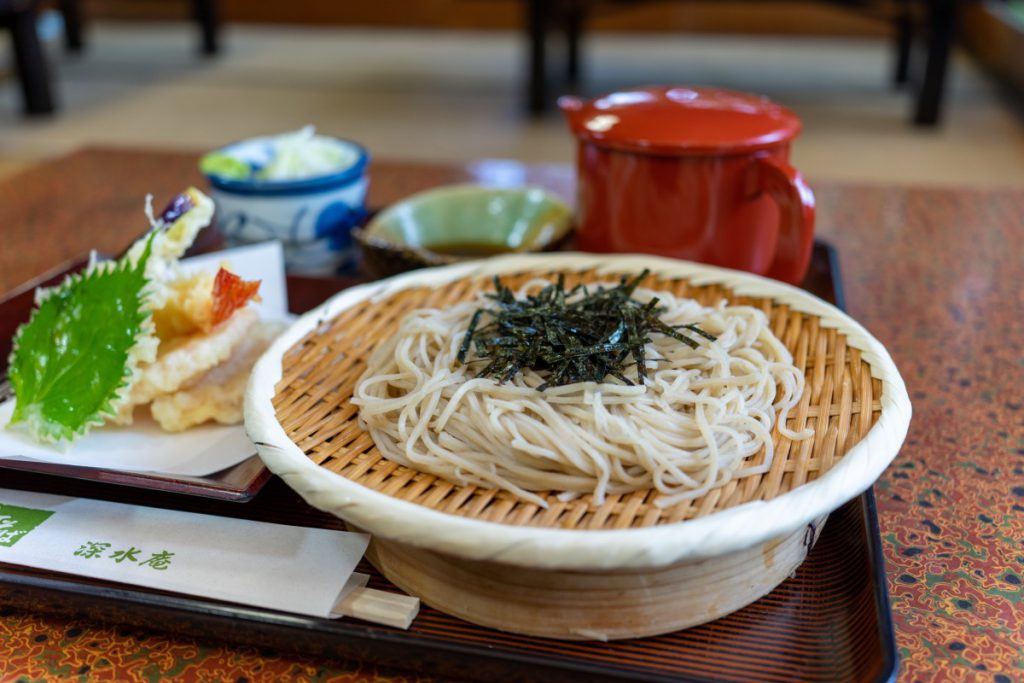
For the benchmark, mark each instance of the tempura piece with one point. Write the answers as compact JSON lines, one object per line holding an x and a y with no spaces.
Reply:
{"x":180,"y":222}
{"x":220,"y":392}
{"x":199,"y":301}
{"x":187,"y":307}
{"x":230,"y":293}
{"x":85,"y":338}
{"x":183,"y":359}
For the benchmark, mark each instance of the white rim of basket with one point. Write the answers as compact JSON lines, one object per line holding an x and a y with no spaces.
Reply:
{"x":731,"y":530}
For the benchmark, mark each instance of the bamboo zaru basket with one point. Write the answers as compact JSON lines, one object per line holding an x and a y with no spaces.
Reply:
{"x":626,"y":567}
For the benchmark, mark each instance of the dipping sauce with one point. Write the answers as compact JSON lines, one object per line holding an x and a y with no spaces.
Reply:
{"x":468,"y":249}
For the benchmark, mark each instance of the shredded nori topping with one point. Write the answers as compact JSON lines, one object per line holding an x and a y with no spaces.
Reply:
{"x":598,"y":334}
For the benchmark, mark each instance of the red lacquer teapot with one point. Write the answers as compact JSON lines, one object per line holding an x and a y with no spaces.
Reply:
{"x":694,"y":173}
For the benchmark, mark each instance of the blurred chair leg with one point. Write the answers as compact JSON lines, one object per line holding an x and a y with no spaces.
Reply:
{"x":71,"y":10}
{"x":941,"y":25}
{"x":206,"y":13}
{"x":574,"y":18}
{"x":29,"y":60}
{"x":538,"y":19}
{"x":904,"y":26}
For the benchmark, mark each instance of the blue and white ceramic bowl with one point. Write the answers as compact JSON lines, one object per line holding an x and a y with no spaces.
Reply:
{"x":312,"y":217}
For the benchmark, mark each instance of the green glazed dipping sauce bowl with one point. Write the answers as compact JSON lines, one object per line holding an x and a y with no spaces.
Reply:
{"x":461,"y":222}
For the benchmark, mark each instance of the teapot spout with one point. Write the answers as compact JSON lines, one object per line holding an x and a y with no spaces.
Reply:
{"x":572,"y":108}
{"x":570,"y":103}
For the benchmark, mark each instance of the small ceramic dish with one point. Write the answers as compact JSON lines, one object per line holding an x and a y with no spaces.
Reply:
{"x":311,"y":216}
{"x":461,"y":222}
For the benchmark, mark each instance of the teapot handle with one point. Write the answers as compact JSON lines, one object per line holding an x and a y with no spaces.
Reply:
{"x":796,"y":218}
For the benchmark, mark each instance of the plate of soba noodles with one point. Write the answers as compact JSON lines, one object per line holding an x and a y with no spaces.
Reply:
{"x":579,"y":446}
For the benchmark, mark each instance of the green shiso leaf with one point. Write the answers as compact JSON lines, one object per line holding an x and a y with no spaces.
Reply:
{"x":72,"y":358}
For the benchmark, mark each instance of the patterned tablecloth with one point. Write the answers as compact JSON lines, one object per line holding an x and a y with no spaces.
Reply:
{"x":933,"y":273}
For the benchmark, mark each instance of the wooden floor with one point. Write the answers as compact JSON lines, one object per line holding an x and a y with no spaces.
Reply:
{"x":457,"y":95}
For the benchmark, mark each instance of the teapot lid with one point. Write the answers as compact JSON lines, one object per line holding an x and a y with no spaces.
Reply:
{"x":680,"y":119}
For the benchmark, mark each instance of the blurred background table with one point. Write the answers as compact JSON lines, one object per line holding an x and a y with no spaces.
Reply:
{"x":933,"y":21}
{"x":933,"y":273}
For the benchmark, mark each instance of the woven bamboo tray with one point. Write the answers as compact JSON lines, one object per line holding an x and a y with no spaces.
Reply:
{"x":624,"y":568}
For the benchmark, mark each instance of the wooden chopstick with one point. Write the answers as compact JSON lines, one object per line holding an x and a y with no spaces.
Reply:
{"x":380,"y":607}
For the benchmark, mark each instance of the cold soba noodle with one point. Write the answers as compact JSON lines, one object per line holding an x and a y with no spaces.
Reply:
{"x":693,"y":425}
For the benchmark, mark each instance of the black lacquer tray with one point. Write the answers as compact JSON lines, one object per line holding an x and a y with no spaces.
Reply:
{"x":829,"y":622}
